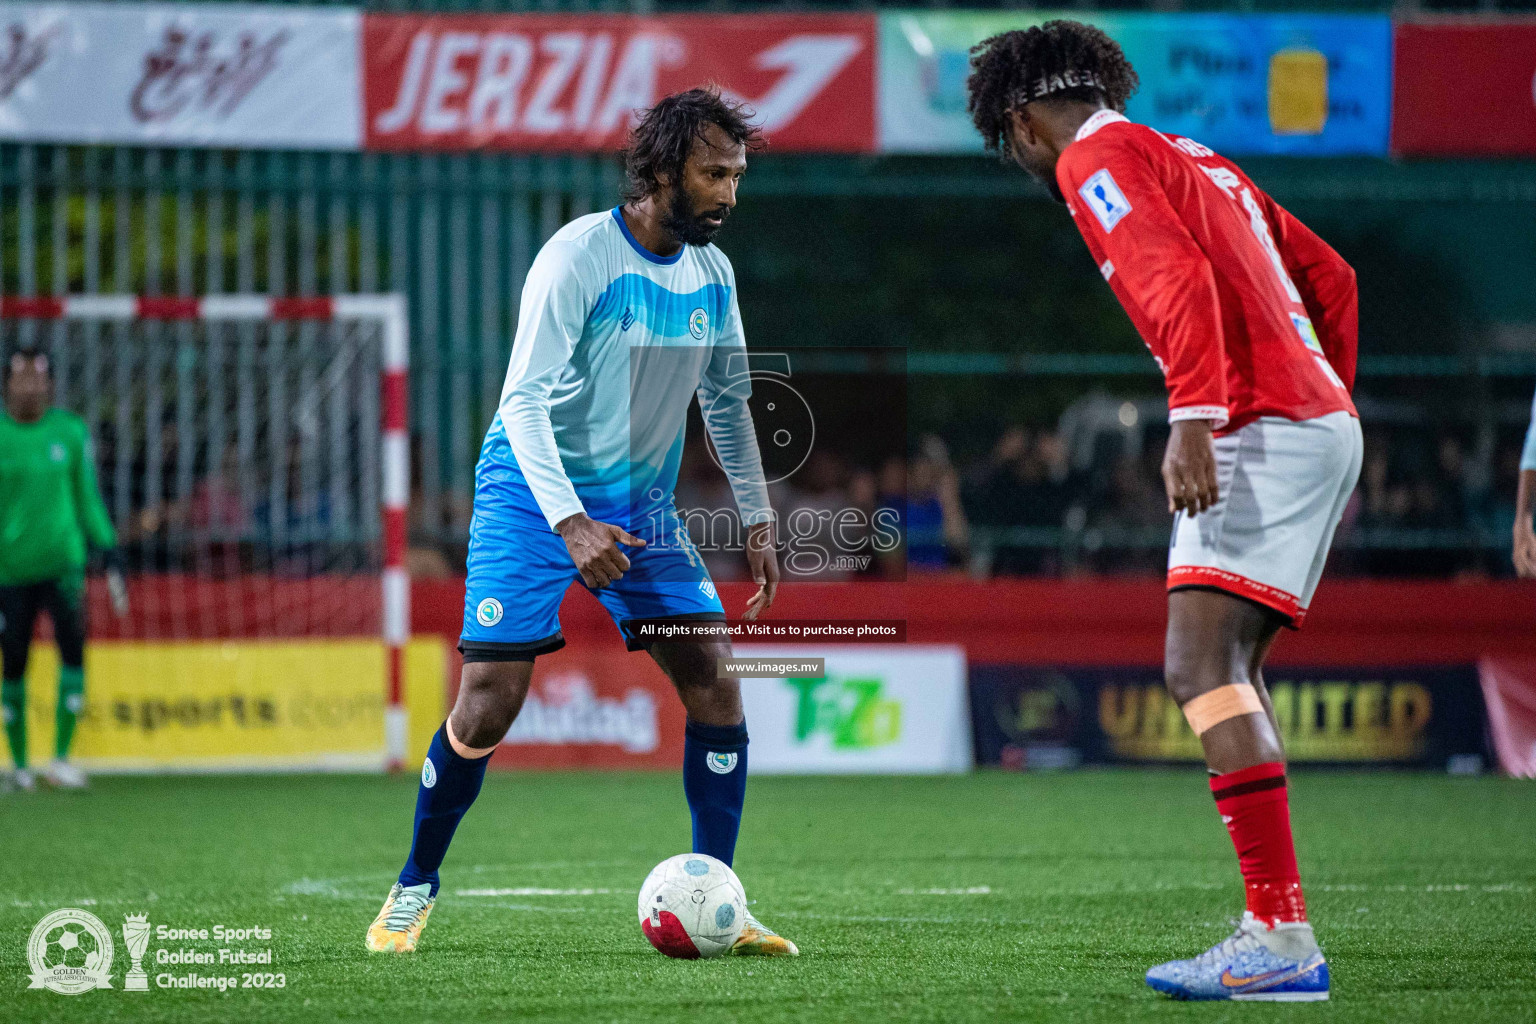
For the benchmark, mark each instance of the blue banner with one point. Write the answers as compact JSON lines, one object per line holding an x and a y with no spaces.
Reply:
{"x":1296,"y":85}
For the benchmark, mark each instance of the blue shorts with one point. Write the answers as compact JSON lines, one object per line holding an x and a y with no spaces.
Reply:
{"x":519,"y":575}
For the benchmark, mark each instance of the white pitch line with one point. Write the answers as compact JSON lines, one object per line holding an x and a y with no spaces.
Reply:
{"x":1493,"y":887}
{"x":883,"y":919}
{"x":531,"y":890}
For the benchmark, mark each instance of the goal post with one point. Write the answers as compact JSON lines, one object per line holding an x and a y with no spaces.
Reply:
{"x":254,"y":456}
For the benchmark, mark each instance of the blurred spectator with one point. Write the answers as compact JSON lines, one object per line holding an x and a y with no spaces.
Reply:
{"x":812,"y":505}
{"x":1024,"y":483}
{"x":935,"y":523}
{"x":216,"y":514}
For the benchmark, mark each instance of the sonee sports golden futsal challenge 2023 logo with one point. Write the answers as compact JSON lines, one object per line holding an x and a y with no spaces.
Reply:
{"x":70,"y":952}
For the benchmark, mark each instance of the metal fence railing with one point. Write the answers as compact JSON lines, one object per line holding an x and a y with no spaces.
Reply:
{"x":455,"y":234}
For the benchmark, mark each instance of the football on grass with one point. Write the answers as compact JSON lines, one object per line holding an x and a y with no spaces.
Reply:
{"x":692,"y":906}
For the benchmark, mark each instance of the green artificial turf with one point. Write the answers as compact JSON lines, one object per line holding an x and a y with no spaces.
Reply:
{"x":983,"y":898}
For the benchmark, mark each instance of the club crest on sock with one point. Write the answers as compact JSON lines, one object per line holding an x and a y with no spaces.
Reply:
{"x":428,"y":773}
{"x":721,"y":763}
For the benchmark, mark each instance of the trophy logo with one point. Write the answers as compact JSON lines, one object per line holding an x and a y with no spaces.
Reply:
{"x":70,"y":952}
{"x":136,"y":938}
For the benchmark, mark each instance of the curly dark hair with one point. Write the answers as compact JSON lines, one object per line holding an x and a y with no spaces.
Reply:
{"x":1059,"y":60}
{"x":661,"y":142}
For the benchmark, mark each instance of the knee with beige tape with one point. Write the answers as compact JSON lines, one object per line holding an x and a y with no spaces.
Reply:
{"x":1213,"y":707}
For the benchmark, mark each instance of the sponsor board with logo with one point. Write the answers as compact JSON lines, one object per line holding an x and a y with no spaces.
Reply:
{"x":596,"y":708}
{"x":72,"y":951}
{"x":336,"y":78}
{"x":878,"y":709}
{"x":1041,"y":717}
{"x":1465,"y":88}
{"x":573,"y":82}
{"x":236,"y":705}
{"x":292,"y":77}
{"x":183,"y":74}
{"x":1305,"y":85}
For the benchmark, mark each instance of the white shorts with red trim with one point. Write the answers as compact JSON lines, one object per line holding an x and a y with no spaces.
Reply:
{"x":1283,"y":487}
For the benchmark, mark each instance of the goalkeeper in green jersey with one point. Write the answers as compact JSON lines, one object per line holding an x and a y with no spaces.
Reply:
{"x":50,"y":510}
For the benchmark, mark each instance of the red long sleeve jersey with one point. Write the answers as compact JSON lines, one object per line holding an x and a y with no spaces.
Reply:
{"x":1247,"y":312}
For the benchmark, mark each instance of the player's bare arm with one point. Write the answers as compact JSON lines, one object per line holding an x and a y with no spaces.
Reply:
{"x":1189,"y":467}
{"x":594,"y":548}
{"x":1525,"y":505}
{"x":1525,"y":539}
{"x":763,"y":561}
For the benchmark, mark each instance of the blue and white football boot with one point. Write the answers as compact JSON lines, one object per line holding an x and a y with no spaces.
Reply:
{"x":1259,"y":963}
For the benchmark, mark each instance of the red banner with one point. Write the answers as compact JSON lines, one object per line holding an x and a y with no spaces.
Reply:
{"x":596,"y":706}
{"x":1465,"y":89}
{"x":571,"y":82}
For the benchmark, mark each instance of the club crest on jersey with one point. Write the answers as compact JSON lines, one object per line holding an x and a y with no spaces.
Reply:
{"x":488,"y":613}
{"x":720,"y":762}
{"x":698,"y":323}
{"x":1105,"y":199}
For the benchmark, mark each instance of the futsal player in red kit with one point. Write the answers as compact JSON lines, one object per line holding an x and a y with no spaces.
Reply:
{"x":1253,"y":320}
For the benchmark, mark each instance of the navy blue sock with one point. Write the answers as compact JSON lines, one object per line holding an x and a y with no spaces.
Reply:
{"x":449,"y":784}
{"x":715,"y":782}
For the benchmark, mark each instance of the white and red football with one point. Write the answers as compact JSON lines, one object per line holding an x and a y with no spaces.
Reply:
{"x":692,"y":906}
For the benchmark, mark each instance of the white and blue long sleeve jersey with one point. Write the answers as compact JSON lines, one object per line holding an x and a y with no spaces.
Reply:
{"x":612,"y":343}
{"x":1528,"y":456}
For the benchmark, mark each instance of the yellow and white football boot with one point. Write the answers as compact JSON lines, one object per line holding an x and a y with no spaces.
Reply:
{"x":757,"y":939}
{"x":399,"y":924}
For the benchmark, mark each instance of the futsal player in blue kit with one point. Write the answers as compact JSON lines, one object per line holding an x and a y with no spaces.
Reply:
{"x":625,"y":315}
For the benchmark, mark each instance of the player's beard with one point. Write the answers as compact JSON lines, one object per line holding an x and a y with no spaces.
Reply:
{"x":689,"y":227}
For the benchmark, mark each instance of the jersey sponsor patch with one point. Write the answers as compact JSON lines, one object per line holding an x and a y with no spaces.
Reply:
{"x":1304,"y":328}
{"x":1105,"y":199}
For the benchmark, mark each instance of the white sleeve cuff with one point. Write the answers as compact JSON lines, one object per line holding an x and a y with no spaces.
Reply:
{"x":764,"y":515}
{"x":1217,"y":414}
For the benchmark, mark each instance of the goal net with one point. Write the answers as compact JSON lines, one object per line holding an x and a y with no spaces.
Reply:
{"x":251,"y":453}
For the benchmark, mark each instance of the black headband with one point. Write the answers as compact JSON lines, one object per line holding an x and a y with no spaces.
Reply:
{"x":1045,"y":85}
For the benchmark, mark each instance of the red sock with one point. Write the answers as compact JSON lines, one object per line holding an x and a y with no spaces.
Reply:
{"x":1254,"y":807}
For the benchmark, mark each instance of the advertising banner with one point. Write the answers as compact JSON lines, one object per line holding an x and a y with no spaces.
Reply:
{"x":227,"y":705}
{"x":596,"y":708}
{"x":878,"y":709}
{"x":1399,"y":716}
{"x":162,"y":74}
{"x":564,"y":82}
{"x":1302,"y":85}
{"x":1465,"y":88}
